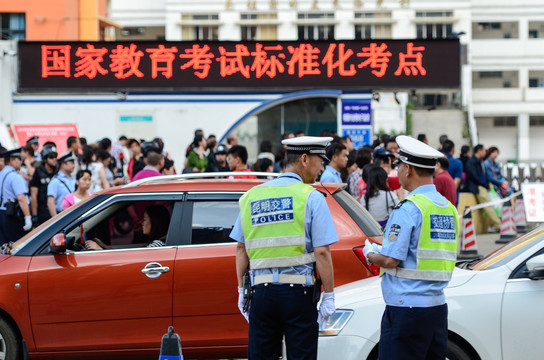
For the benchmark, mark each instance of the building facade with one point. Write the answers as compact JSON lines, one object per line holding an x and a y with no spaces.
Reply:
{"x":499,"y":102}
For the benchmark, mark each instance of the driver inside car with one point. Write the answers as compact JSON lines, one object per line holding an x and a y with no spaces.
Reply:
{"x":155,"y":228}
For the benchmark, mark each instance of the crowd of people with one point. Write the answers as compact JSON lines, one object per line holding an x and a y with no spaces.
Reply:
{"x":48,"y":183}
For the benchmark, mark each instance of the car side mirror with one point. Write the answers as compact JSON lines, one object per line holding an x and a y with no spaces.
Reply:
{"x":58,"y":244}
{"x":536,"y":267}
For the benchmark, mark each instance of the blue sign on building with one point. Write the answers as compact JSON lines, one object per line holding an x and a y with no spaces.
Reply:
{"x":357,"y":121}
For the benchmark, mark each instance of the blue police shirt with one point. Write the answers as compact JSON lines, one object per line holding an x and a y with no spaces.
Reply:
{"x":330,"y":175}
{"x":60,"y":186}
{"x":318,"y":225}
{"x":400,"y":241}
{"x":14,"y":185}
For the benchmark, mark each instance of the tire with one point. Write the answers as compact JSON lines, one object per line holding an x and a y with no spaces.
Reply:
{"x":456,"y":352}
{"x":10,"y":343}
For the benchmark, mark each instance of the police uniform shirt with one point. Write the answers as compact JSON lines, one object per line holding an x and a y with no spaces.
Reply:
{"x":400,"y":242}
{"x":330,"y":175}
{"x":318,"y":225}
{"x":58,"y":190}
{"x":14,"y":185}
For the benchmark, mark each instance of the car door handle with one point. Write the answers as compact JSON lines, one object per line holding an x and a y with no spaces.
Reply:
{"x":154,"y":270}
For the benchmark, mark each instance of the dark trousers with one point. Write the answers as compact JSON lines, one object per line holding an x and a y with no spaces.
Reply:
{"x":11,"y":228}
{"x":414,"y":333}
{"x":278,"y":310}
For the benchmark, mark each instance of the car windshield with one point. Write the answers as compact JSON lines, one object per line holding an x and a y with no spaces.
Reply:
{"x":510,"y":250}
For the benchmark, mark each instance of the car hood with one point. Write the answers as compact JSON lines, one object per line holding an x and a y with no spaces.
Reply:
{"x":357,"y":291}
{"x":370,"y":288}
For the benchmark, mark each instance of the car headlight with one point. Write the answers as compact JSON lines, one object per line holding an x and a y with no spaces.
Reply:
{"x":336,"y":323}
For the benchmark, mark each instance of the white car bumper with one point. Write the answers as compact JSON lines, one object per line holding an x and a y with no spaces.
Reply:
{"x":348,"y":347}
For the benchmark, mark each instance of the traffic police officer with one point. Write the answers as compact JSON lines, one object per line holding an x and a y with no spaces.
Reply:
{"x":284,"y":229}
{"x":13,"y":199}
{"x":38,"y":185}
{"x":62,"y":184}
{"x":417,"y":258}
{"x":34,"y":141}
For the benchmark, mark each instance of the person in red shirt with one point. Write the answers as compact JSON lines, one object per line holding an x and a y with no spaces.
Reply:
{"x":237,"y":161}
{"x":443,"y":181}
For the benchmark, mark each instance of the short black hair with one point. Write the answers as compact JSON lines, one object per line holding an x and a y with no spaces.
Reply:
{"x":334,"y":149}
{"x":444,"y":162}
{"x":421,"y":137}
{"x":424,"y":171}
{"x":266,"y":146}
{"x":122,"y":137}
{"x":239,"y":151}
{"x":477,"y":148}
{"x":70,"y":141}
{"x":447,"y":146}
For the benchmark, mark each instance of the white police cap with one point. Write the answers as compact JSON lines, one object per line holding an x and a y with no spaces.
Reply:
{"x":417,"y":153}
{"x":307,"y":145}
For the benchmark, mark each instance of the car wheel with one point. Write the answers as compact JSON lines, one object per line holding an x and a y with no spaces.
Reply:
{"x":10,"y":344}
{"x":456,"y":352}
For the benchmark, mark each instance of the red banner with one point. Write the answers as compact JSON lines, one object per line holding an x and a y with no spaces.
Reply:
{"x":55,"y":133}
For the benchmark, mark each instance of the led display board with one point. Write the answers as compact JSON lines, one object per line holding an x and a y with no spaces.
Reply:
{"x":234,"y":66}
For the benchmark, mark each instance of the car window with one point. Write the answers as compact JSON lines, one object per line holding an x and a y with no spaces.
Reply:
{"x":213,"y":221}
{"x":121,"y":225}
{"x":358,"y":213}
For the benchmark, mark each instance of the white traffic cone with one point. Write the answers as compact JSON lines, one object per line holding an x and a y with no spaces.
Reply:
{"x":508,"y":228}
{"x":170,"y":346}
{"x":469,"y":249}
{"x":520,"y":220}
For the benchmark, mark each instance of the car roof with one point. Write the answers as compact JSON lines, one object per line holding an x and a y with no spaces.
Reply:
{"x":184,"y":183}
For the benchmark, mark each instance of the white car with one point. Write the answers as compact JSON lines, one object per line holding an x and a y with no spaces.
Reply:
{"x":495,"y":309}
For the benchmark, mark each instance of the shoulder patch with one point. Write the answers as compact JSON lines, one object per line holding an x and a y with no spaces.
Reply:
{"x":394,"y":232}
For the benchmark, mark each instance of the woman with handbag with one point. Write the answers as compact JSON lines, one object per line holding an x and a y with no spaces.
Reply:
{"x":493,"y":172}
{"x":378,"y":199}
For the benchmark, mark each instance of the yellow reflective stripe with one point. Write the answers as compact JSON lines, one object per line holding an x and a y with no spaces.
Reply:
{"x":282,"y":279}
{"x":276,"y":242}
{"x":282,"y":261}
{"x":415,"y":274}
{"x":275,"y":252}
{"x":437,"y":254}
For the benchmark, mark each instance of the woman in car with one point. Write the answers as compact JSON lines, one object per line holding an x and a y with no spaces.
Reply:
{"x":155,"y":228}
{"x":83,"y":184}
{"x":378,"y":199}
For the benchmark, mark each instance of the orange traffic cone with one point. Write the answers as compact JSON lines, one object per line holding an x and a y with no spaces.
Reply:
{"x":508,"y":228}
{"x":468,"y":240}
{"x":519,"y":215}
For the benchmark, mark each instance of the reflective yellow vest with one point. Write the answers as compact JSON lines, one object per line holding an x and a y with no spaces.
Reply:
{"x":273,"y":225}
{"x":437,"y":247}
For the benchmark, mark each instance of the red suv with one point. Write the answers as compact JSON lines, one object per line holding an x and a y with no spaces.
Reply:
{"x":59,"y":301}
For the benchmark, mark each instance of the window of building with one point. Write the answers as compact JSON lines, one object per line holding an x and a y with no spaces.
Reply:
{"x":200,"y":27}
{"x":12,"y":26}
{"x":258,"y":26}
{"x":536,"y":120}
{"x":432,"y":101}
{"x":315,"y":26}
{"x":434,"y":24}
{"x":505,"y":121}
{"x":495,"y":30}
{"x":536,"y":79}
{"x":495,"y":79}
{"x":141,"y":33}
{"x":372,"y":25}
{"x":536,"y":29}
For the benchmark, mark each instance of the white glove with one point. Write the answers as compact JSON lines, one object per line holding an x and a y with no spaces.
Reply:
{"x":327,"y":307}
{"x":371,"y":248}
{"x":241,"y":302}
{"x":28,"y":223}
